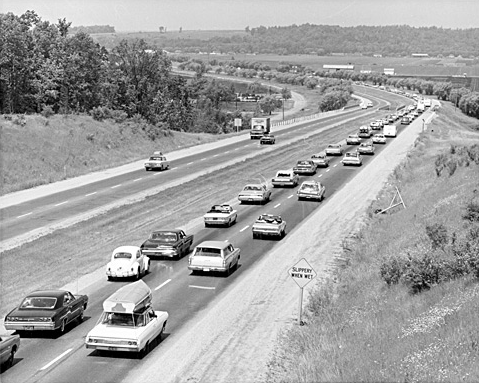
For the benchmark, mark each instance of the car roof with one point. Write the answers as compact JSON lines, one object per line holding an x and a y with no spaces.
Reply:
{"x":126,"y":249}
{"x":215,"y":244}
{"x":167,"y":231}
{"x":47,"y":293}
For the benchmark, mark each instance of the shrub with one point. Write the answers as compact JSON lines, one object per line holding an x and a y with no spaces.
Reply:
{"x":392,"y":269}
{"x":422,"y":272}
{"x":100,"y":113}
{"x":472,"y":211}
{"x":47,"y":111}
{"x":118,"y":115}
{"x":437,"y":233}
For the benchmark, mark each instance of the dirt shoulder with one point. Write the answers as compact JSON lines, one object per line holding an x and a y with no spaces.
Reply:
{"x":232,"y":340}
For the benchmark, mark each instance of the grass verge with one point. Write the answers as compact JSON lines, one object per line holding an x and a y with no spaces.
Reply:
{"x":359,"y":328}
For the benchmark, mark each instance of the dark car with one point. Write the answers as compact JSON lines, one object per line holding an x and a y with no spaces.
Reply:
{"x":48,"y":310}
{"x":167,"y":243}
{"x":267,"y":139}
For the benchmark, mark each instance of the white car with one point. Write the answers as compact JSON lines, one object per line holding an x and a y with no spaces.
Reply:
{"x":366,"y":148}
{"x":258,"y":192}
{"x":223,"y":215}
{"x":311,"y":190}
{"x":127,"y":262}
{"x":320,"y":159}
{"x":379,"y":139}
{"x":334,"y":150}
{"x":353,"y":139}
{"x":128,"y":322}
{"x":214,"y":256}
{"x":352,"y":158}
{"x":285,"y":178}
{"x":269,"y":225}
{"x":157,"y":161}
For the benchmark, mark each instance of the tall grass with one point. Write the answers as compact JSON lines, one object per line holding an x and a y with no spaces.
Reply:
{"x":359,"y":329}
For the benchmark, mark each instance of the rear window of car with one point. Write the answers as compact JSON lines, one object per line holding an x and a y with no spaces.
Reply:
{"x":308,"y":187}
{"x":122,"y":255}
{"x":284,"y":175}
{"x":38,"y":303}
{"x":208,"y":251}
{"x":163,"y":236}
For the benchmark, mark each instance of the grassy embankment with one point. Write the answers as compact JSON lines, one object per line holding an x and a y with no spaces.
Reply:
{"x":362,"y":329}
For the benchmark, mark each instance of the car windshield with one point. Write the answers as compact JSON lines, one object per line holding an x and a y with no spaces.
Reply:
{"x":208,"y":252}
{"x":309,"y":187}
{"x":307,"y":163}
{"x":318,"y":156}
{"x":122,"y":319}
{"x":220,"y":209}
{"x":122,"y":255}
{"x":38,"y":303}
{"x":163,"y":236}
{"x":333,"y":146}
{"x":269,"y":218}
{"x":252,"y":187}
{"x":154,"y":158}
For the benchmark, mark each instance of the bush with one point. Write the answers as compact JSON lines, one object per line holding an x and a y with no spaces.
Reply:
{"x":437,"y":233}
{"x":392,"y":269}
{"x":100,"y":113}
{"x":422,"y":272}
{"x":472,"y":212}
{"x":118,"y":115}
{"x":47,"y":111}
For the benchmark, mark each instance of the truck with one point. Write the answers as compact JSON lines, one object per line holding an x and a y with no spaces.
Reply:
{"x":390,"y":131}
{"x":128,"y":323}
{"x":260,"y":126}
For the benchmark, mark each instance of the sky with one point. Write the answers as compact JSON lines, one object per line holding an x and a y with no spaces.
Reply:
{"x":149,"y":15}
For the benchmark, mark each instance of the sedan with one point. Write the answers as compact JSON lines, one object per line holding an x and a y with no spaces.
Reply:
{"x":320,"y":159}
{"x":379,"y":139}
{"x":353,"y":139}
{"x":9,"y":345}
{"x":49,"y":310}
{"x":366,"y":148}
{"x":334,"y":150}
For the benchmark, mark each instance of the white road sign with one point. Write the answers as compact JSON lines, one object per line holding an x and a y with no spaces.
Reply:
{"x":302,"y":273}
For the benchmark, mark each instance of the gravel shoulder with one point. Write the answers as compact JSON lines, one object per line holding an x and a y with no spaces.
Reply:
{"x":233,"y":339}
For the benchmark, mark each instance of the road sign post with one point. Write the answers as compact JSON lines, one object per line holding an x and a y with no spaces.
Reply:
{"x":238,"y":123}
{"x":302,"y":273}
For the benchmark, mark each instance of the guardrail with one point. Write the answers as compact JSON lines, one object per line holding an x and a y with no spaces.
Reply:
{"x":306,"y":118}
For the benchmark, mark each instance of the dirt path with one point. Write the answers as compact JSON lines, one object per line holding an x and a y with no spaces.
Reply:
{"x":233,"y":339}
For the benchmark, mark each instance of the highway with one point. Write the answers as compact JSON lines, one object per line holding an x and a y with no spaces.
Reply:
{"x":47,"y":358}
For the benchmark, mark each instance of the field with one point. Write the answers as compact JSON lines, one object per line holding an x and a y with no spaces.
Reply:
{"x":359,"y":328}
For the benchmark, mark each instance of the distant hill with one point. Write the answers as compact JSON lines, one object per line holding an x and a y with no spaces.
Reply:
{"x":93,"y":29}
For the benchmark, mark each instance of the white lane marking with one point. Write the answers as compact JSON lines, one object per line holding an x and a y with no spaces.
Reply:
{"x":163,"y":284}
{"x":227,"y":152}
{"x":327,"y":170}
{"x":216,"y":155}
{"x":24,"y":215}
{"x":56,"y":359}
{"x":189,"y":163}
{"x":236,"y":149}
{"x":202,"y":287}
{"x":113,"y":187}
{"x":138,"y":179}
{"x":335,"y":165}
{"x":61,"y":203}
{"x":89,"y":194}
{"x":244,"y":228}
{"x":203,"y":159}
{"x":320,"y":175}
{"x":226,"y":240}
{"x":291,"y":196}
{"x":176,"y":167}
{"x":275,"y":206}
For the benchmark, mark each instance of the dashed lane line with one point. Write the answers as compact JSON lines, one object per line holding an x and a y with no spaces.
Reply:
{"x":163,"y":284}
{"x":138,"y":179}
{"x":320,"y":175}
{"x":89,"y":194}
{"x":61,"y":203}
{"x":335,"y":165}
{"x":24,"y":215}
{"x":189,"y":163}
{"x":291,"y":196}
{"x":327,"y":170}
{"x":116,"y":186}
{"x":56,"y":359}
{"x":244,"y":228}
{"x":202,"y":287}
{"x":275,"y":206}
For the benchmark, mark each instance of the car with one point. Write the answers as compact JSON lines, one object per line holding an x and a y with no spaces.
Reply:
{"x":127,"y":262}
{"x":365,"y":131}
{"x":375,"y":125}
{"x":352,"y":158}
{"x":405,"y":120}
{"x":255,"y":192}
{"x":47,"y":310}
{"x":174,"y":243}
{"x":267,"y":139}
{"x":366,"y":148}
{"x":311,"y":190}
{"x":214,"y":256}
{"x":353,"y":139}
{"x":320,"y":159}
{"x":364,"y":105}
{"x":9,"y":345}
{"x":223,"y":215}
{"x":369,"y":104}
{"x":379,"y":139}
{"x":305,"y":167}
{"x":157,"y":161}
{"x":128,"y":322}
{"x":334,"y":150}
{"x":269,"y":225}
{"x":285,"y":178}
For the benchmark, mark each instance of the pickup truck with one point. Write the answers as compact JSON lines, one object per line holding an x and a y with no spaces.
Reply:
{"x":285,"y":178}
{"x":259,"y":192}
{"x":129,"y":322}
{"x":305,"y":167}
{"x":214,"y":256}
{"x":167,"y":243}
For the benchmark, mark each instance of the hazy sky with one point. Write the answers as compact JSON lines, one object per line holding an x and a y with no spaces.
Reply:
{"x":148,"y":15}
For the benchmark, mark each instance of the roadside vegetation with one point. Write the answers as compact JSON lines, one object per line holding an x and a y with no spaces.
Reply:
{"x":402,"y":305}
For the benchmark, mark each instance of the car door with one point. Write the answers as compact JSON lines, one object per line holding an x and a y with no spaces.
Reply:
{"x":69,"y":307}
{"x":152,"y":325}
{"x":4,"y":350}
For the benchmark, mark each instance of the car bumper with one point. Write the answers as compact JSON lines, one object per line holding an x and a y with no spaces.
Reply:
{"x":309,"y":196}
{"x":304,"y":171}
{"x":251,"y":199}
{"x":160,"y":253}
{"x":267,"y":233}
{"x":207,"y":268}
{"x":217,"y":222}
{"x":333,"y":153}
{"x":111,"y":347}
{"x":30,"y":326}
{"x":351,"y":163}
{"x":116,"y":274}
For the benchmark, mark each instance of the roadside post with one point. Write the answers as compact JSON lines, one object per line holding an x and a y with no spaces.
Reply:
{"x":238,"y":123}
{"x":302,"y":273}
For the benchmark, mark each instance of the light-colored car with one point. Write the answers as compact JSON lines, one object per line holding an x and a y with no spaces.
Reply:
{"x":379,"y":138}
{"x":334,"y":150}
{"x":311,"y":190}
{"x":258,"y":192}
{"x":157,"y":161}
{"x":320,"y":159}
{"x":127,"y":262}
{"x":375,"y":125}
{"x":366,"y":148}
{"x":352,"y":158}
{"x":285,"y":178}
{"x":365,"y":131}
{"x":363,"y":105}
{"x":353,"y":139}
{"x":223,"y":215}
{"x":305,"y":167}
{"x":369,"y":104}
{"x":214,"y":256}
{"x":269,"y":225}
{"x":9,"y":345}
{"x":129,"y":322}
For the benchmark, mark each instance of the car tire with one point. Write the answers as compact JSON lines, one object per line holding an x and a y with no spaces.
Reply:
{"x":63,"y":326}
{"x":11,"y":357}
{"x":147,"y":169}
{"x":80,"y":316}
{"x":138,"y":274}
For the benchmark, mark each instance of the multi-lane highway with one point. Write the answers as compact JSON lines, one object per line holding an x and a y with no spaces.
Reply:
{"x":44,"y":358}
